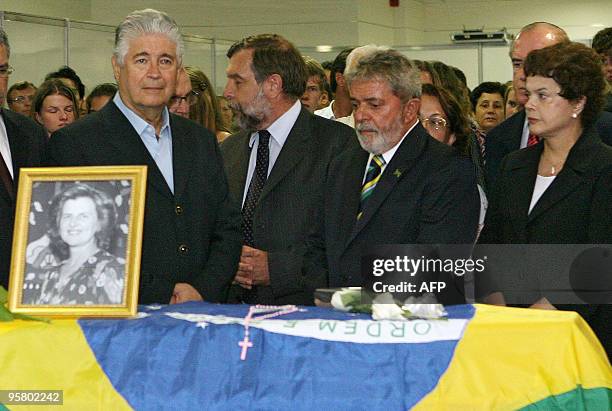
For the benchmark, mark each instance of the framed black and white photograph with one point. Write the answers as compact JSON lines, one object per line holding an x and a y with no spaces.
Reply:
{"x":77,"y":241}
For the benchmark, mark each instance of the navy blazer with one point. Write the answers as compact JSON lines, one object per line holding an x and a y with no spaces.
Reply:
{"x":191,"y":236}
{"x":575,"y":209}
{"x":506,"y":138}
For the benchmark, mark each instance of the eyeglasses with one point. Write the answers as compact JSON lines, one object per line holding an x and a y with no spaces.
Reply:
{"x":6,"y":71}
{"x":436,"y":122}
{"x":191,"y":99}
{"x":21,"y":99}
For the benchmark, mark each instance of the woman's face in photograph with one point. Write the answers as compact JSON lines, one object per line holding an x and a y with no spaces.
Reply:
{"x":56,"y":112}
{"x":79,"y":221}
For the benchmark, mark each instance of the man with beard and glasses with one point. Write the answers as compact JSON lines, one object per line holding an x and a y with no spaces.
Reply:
{"x":276,"y":167}
{"x":400,"y":187}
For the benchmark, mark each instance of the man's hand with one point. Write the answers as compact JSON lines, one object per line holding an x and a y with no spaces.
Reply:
{"x":252,"y":268}
{"x":184,"y":292}
{"x":543,"y":304}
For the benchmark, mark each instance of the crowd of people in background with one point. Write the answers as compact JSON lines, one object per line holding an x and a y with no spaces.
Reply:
{"x":304,"y":149}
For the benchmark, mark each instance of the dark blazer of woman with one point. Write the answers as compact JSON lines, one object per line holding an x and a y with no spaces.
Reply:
{"x":575,"y":209}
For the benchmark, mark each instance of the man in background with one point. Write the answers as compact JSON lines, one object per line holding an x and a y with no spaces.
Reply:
{"x":20,"y":96}
{"x":180,"y":100}
{"x":340,"y":106}
{"x":315,"y":94}
{"x":100,"y":96}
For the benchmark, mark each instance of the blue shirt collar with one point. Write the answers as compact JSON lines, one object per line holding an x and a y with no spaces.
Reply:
{"x":138,"y":122}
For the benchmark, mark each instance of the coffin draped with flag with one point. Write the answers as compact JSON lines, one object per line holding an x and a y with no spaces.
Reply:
{"x":188,"y":357}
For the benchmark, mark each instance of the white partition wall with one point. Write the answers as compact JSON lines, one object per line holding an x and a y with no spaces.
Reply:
{"x":42,"y":44}
{"x":37,"y":47}
{"x":90,"y":48}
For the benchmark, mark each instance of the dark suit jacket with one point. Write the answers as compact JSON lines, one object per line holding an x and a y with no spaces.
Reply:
{"x":285,"y":210}
{"x":506,"y":138}
{"x":575,"y":209}
{"x":426,"y":195}
{"x":199,"y":216}
{"x":27,"y":143}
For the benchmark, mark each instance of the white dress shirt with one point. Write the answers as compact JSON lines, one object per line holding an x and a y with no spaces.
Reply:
{"x":5,"y":149}
{"x":279,"y":131}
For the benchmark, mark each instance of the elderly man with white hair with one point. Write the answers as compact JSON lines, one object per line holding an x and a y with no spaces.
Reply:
{"x":398,"y":186}
{"x":191,"y":238}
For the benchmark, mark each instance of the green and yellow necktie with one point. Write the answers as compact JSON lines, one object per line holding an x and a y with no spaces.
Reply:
{"x":372,"y":177}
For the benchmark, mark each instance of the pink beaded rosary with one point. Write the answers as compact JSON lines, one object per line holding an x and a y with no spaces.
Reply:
{"x":268,"y":311}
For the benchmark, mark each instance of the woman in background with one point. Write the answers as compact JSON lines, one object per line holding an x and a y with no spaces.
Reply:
{"x":447,"y":121}
{"x":227,"y":114}
{"x":206,"y":110}
{"x":488,"y":104}
{"x":54,"y":106}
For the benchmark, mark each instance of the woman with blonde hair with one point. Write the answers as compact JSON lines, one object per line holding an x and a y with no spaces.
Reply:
{"x":206,"y":110}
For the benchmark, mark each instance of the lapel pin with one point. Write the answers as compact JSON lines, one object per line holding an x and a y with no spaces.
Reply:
{"x":397,"y":173}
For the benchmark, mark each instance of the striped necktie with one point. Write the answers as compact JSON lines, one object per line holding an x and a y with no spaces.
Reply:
{"x":532,"y":139}
{"x":372,"y":177}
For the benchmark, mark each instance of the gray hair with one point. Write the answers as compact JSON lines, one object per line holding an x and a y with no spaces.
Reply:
{"x":4,"y":41}
{"x":360,"y":52}
{"x":148,"y":21}
{"x":391,"y":66}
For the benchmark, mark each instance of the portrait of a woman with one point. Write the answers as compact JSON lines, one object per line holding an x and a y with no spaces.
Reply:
{"x":81,"y":223}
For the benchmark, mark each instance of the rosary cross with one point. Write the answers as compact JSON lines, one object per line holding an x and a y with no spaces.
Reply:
{"x":245,"y":344}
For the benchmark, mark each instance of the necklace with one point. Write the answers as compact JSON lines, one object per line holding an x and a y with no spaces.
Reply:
{"x":268,"y":311}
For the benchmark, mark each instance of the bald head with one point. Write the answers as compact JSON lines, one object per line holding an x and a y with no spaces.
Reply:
{"x":533,"y":36}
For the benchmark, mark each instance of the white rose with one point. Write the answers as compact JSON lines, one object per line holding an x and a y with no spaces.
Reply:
{"x":387,"y":311}
{"x":336,"y":302}
{"x":426,"y":310}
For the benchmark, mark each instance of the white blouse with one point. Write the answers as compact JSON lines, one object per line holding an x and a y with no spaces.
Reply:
{"x":542,"y":183}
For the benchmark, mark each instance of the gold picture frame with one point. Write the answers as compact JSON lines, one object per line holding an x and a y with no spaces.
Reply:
{"x":77,"y":241}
